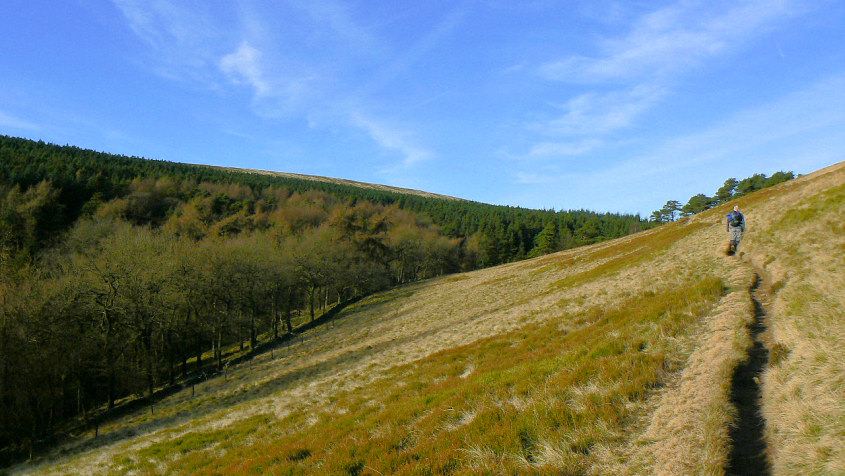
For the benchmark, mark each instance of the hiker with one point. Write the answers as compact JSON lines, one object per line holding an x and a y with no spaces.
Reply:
{"x":735,"y":225}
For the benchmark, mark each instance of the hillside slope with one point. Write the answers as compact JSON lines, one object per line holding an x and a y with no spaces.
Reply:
{"x":338,"y":181}
{"x":801,"y":245}
{"x":612,"y":358}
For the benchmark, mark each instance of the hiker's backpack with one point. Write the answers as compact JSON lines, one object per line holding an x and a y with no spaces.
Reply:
{"x":735,"y":219}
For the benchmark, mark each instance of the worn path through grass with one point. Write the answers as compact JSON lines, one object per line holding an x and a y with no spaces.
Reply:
{"x":749,"y":451}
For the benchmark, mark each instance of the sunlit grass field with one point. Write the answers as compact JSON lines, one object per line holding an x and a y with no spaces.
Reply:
{"x":610,"y":359}
{"x":802,"y":243}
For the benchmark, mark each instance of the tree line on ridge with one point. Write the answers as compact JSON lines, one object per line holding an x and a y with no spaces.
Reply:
{"x":731,"y":189}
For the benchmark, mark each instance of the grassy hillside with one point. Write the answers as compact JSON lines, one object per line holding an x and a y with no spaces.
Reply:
{"x":801,"y":243}
{"x":338,"y":181}
{"x":615,"y":358}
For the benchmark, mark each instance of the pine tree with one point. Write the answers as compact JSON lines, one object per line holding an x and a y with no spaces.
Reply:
{"x":547,"y":241}
{"x":726,"y":192}
{"x":697,"y":204}
{"x":670,"y":209}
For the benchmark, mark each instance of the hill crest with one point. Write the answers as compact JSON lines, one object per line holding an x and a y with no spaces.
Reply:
{"x":337,"y":181}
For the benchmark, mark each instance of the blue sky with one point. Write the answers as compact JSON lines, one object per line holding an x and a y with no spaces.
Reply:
{"x":608,"y":106}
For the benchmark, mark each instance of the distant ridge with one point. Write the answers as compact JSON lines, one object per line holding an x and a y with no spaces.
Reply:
{"x":338,"y":181}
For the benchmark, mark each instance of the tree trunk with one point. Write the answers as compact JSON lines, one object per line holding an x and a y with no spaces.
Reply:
{"x":253,"y":338}
{"x":219,"y":350}
{"x":241,"y":335}
{"x":80,"y":407}
{"x":148,"y":355}
{"x":311,"y":298}
{"x":183,"y":350}
{"x":199,"y":351}
{"x":110,"y":360}
{"x":111,"y":385}
{"x":275,"y":314}
{"x":288,"y":310}
{"x":171,"y":357}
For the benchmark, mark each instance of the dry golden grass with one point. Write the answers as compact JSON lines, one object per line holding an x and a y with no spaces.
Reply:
{"x":611,"y":358}
{"x":796,"y":239}
{"x":801,"y":242}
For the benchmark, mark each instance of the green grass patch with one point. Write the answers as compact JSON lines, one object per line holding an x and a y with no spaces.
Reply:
{"x":813,"y":208}
{"x":628,"y":253}
{"x":202,"y":440}
{"x":381,"y":298}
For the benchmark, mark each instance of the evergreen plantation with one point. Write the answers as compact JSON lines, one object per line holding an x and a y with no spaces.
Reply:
{"x":119,"y":274}
{"x":85,"y":179}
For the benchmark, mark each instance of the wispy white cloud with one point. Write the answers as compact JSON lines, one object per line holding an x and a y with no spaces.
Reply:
{"x":780,"y":132}
{"x":308,"y":68}
{"x":164,"y":22}
{"x":243,"y":66}
{"x":632,"y":73}
{"x":276,"y":92}
{"x":393,"y":139}
{"x":671,"y":40}
{"x":387,"y":135}
{"x":183,"y":38}
{"x":337,"y":18}
{"x":551,"y":149}
{"x":800,"y":131}
{"x":188,"y":43}
{"x":402,"y":62}
{"x":598,"y":113}
{"x":10,"y":121}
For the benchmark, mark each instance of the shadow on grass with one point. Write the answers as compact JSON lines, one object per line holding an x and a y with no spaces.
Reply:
{"x":749,"y":455}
